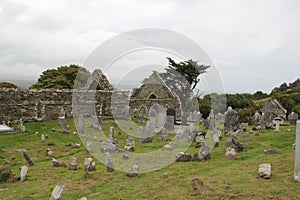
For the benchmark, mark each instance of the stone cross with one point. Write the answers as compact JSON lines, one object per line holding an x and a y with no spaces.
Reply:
{"x":56,"y":193}
{"x":23,"y":173}
{"x":297,"y":154}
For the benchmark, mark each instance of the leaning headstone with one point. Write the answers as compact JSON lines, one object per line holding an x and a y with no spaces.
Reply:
{"x":297,"y":154}
{"x":73,"y":163}
{"x":108,"y":162}
{"x":57,"y":192}
{"x":23,"y":173}
{"x":264,"y":171}
{"x":239,"y":146}
{"x":55,"y":163}
{"x":293,"y":117}
{"x":232,"y":122}
{"x":27,"y":158}
{"x":89,"y":165}
{"x":230,"y":153}
{"x":204,"y":153}
{"x":133,"y":171}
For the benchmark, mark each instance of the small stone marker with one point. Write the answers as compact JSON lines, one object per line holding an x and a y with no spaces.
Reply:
{"x":27,"y":158}
{"x":183,"y":157}
{"x":108,"y":162}
{"x":43,"y":137}
{"x":81,"y":124}
{"x":73,"y":163}
{"x":230,"y":153}
{"x":264,"y":171}
{"x":134,"y":171}
{"x":275,"y":150}
{"x":57,"y":192}
{"x":164,"y":175}
{"x":297,"y":154}
{"x":55,"y":163}
{"x":23,"y":173}
{"x":89,"y":165}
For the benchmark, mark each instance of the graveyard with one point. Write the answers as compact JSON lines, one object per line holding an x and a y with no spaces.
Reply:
{"x":221,"y":178}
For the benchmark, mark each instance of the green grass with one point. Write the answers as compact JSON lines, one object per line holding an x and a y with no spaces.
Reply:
{"x":226,"y":179}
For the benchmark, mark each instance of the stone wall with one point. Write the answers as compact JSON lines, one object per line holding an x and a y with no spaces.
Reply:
{"x":38,"y":105}
{"x":45,"y":104}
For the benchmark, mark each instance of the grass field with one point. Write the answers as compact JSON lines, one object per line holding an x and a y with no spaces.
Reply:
{"x":225,"y":179}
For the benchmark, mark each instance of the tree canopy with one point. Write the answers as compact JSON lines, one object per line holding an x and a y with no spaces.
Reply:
{"x":62,"y":78}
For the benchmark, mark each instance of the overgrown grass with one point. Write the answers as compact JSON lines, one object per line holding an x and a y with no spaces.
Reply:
{"x":226,"y":179}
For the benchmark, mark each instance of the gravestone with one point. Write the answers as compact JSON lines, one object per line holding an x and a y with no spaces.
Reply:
{"x":275,"y":150}
{"x":27,"y":158}
{"x":111,"y":136}
{"x":23,"y":173}
{"x":133,"y":171}
{"x":198,"y":187}
{"x":147,"y":132}
{"x":297,"y":153}
{"x":108,"y":147}
{"x":81,"y":124}
{"x":264,"y":171}
{"x":57,"y":192}
{"x":21,"y":126}
{"x":96,"y":122}
{"x":89,"y":146}
{"x":169,"y":125}
{"x":268,"y":119}
{"x":89,"y":165}
{"x":211,"y":120}
{"x":171,"y":112}
{"x":204,"y":153}
{"x":73,"y":163}
{"x":163,"y":135}
{"x":183,"y":157}
{"x":43,"y":137}
{"x":257,"y":119}
{"x":63,"y":125}
{"x":49,"y":152}
{"x":5,"y":128}
{"x":108,"y":162}
{"x":130,"y":144}
{"x":277,"y":121}
{"x":231,"y":123}
{"x":239,"y":146}
{"x":230,"y":153}
{"x":293,"y":117}
{"x":55,"y":163}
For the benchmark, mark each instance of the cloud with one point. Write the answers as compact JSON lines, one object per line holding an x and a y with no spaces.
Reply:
{"x":254,"y":44}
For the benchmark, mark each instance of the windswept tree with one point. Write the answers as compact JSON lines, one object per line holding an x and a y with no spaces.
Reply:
{"x":182,"y":78}
{"x":62,"y":78}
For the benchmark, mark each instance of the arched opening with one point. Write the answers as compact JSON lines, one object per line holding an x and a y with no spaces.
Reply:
{"x":152,"y":96}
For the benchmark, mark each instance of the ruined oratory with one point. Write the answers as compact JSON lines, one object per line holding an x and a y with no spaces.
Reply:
{"x":45,"y":104}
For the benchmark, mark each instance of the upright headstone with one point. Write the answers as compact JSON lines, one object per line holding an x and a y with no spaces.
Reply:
{"x":73,"y":163}
{"x":232,"y":122}
{"x":169,"y":125}
{"x":257,"y":119}
{"x":297,"y":154}
{"x":133,"y":171}
{"x":111,"y":136}
{"x":21,"y":126}
{"x":57,"y":192}
{"x":264,"y":171}
{"x":81,"y":124}
{"x":23,"y":173}
{"x":43,"y":137}
{"x":89,"y":165}
{"x":130,"y":144}
{"x":62,"y":121}
{"x":211,"y":120}
{"x":171,"y":112}
{"x":268,"y":119}
{"x":293,"y":117}
{"x":147,"y":132}
{"x":96,"y":122}
{"x":89,"y":147}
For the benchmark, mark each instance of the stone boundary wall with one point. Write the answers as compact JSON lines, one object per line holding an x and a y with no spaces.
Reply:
{"x":45,"y":104}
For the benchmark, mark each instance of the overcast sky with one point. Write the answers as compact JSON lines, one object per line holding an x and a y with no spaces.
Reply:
{"x":254,"y":44}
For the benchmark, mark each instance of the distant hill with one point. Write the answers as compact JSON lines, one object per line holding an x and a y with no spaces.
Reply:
{"x":19,"y":83}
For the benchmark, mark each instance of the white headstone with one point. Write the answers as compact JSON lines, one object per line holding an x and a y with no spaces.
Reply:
{"x":24,"y":170}
{"x":297,"y":154}
{"x":56,"y":193}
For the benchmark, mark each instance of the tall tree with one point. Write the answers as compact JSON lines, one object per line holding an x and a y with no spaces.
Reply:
{"x":182,"y":78}
{"x":62,"y":78}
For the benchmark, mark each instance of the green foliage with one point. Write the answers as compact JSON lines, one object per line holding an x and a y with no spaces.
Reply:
{"x":62,"y":78}
{"x":136,"y":91}
{"x":7,"y":85}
